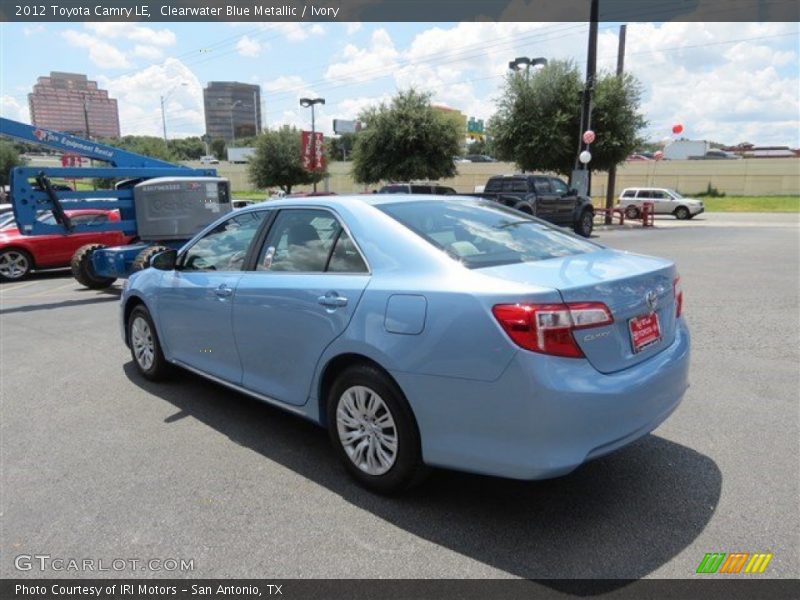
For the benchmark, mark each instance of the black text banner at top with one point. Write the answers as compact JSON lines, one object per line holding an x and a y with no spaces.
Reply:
{"x":397,"y":10}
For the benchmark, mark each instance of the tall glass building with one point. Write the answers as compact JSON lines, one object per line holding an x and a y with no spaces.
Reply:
{"x":69,"y":102}
{"x":233,"y":109}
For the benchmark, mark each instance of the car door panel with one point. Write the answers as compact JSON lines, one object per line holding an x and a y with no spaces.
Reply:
{"x":194,"y":306}
{"x":565,"y":202}
{"x":282,"y":327}
{"x":289,"y":309}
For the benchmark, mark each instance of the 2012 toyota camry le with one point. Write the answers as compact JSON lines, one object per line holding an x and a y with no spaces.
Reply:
{"x":421,"y":331}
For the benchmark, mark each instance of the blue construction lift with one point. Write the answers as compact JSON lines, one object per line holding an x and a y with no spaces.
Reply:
{"x":161,"y":205}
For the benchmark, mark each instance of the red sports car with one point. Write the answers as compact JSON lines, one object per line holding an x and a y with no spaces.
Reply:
{"x":19,"y":254}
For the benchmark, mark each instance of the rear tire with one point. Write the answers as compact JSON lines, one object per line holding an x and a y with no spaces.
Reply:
{"x":373,"y":430}
{"x":145,"y":346}
{"x":142,"y":260}
{"x":631,"y":212}
{"x":682,"y":213}
{"x":83,"y":271}
{"x":15,"y":264}
{"x":585,"y":223}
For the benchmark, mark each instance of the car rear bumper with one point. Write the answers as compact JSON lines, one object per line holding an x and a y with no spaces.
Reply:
{"x":544,"y":416}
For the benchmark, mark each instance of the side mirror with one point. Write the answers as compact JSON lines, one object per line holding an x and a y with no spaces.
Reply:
{"x":573,"y":192}
{"x":165,"y":261}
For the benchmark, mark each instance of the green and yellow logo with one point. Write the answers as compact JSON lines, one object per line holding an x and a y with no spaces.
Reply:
{"x":719,"y":562}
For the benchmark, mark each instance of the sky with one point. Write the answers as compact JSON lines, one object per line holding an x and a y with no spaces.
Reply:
{"x":724,"y":82}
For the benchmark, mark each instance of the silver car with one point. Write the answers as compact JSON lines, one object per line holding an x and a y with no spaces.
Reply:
{"x":665,"y":202}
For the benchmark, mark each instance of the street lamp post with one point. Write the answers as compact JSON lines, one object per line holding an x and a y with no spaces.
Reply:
{"x":164,"y":98}
{"x":310,"y":102}
{"x":520,"y":61}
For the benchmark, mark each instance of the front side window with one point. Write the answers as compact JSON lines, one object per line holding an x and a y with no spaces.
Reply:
{"x":484,"y":234}
{"x":659,"y":195}
{"x":559,"y":187}
{"x":542,"y":186}
{"x":224,"y":248}
{"x":308,"y":241}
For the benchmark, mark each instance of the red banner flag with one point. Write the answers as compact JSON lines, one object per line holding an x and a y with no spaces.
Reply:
{"x":313,"y":156}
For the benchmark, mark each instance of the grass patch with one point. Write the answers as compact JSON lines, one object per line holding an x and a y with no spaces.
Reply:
{"x":249,"y":195}
{"x":788,"y":204}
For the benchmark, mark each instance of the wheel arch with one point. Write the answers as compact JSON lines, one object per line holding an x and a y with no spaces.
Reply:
{"x":336,"y":365}
{"x":132,"y":302}
{"x":21,"y":248}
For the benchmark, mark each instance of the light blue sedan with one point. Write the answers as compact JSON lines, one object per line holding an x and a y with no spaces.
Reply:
{"x":421,"y":331}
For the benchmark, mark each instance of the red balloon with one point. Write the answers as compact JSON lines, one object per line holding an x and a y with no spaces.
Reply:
{"x":588,"y":136}
{"x":659,"y":155}
{"x":677,"y":128}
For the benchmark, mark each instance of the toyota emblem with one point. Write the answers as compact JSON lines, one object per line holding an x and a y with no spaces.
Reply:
{"x":652,"y":300}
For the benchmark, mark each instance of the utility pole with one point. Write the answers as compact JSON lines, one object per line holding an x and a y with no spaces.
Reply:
{"x":612,"y":172}
{"x":586,"y":106}
{"x":163,"y":121}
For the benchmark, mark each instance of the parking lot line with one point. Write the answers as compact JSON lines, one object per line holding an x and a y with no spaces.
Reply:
{"x":5,"y":289}
{"x":48,"y":291}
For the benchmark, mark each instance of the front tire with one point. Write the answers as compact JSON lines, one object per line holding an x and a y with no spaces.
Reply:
{"x":682,"y":213}
{"x":145,"y":346}
{"x":83,"y":271}
{"x":585,"y":224}
{"x":373,"y":430}
{"x":15,"y":264}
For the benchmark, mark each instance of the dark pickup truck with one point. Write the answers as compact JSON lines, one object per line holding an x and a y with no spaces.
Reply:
{"x":544,"y":197}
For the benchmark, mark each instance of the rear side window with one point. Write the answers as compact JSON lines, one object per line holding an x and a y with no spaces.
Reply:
{"x":645,"y":194}
{"x":516,"y":185}
{"x":494,"y":185}
{"x":394,"y":189}
{"x":420,"y":189}
{"x":484,"y":234}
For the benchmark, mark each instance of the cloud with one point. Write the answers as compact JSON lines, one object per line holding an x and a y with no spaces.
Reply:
{"x":35,"y":30}
{"x":353,"y":28}
{"x":14,"y":109}
{"x":139,"y":95}
{"x":150,"y":53}
{"x":247,"y":46}
{"x":136,"y":33}
{"x":359,"y":64}
{"x":285,"y":83}
{"x":101,"y":53}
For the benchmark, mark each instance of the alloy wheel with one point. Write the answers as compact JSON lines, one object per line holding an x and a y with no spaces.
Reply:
{"x":367,"y":430}
{"x":14,"y":264}
{"x":142,"y":342}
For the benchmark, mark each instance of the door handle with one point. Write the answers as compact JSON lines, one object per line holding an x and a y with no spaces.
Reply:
{"x":332,"y":300}
{"x":223,"y":291}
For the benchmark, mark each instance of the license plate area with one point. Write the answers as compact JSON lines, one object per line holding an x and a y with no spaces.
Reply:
{"x":645,"y":331}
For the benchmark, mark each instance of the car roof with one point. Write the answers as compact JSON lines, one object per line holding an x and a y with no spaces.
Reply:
{"x":345,"y":200}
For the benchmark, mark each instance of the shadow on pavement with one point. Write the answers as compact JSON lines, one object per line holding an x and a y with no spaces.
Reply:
{"x":109,"y":295}
{"x":621,"y":516}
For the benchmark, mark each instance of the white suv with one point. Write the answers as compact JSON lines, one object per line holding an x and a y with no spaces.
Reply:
{"x":665,"y":202}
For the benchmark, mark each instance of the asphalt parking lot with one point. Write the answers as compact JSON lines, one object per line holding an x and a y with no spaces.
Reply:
{"x":99,"y":463}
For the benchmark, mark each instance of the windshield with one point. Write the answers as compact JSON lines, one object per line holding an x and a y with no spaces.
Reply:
{"x":484,"y":234}
{"x":674,"y":194}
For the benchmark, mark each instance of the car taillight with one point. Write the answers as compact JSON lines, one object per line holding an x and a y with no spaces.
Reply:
{"x":677,"y":290}
{"x":547,"y":328}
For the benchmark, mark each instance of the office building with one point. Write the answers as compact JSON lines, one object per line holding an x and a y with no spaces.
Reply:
{"x":233,"y":110}
{"x":71,"y":103}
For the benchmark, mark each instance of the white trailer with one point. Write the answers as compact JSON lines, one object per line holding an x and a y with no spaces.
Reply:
{"x":240,"y":155}
{"x":684,"y":149}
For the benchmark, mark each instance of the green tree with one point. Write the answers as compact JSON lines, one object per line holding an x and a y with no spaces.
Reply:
{"x":538,"y":119}
{"x":189,"y":148}
{"x":146,"y":145}
{"x":9,"y":158}
{"x":404,"y":141}
{"x":218,"y":148}
{"x":277,"y":161}
{"x":482,"y":146}
{"x":341,"y":148}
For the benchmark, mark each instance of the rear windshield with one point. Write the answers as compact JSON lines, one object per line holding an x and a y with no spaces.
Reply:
{"x":484,"y":234}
